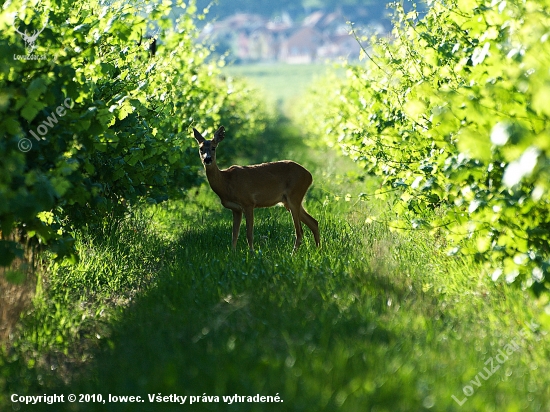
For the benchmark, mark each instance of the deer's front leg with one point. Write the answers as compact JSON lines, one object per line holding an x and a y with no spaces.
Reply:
{"x":249,"y":216}
{"x":237,"y":218}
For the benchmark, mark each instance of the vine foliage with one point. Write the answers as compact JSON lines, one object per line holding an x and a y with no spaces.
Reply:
{"x":452,"y":113}
{"x":123,"y":136}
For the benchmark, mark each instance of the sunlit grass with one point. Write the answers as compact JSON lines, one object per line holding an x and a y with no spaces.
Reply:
{"x":281,"y":83}
{"x":373,"y":319}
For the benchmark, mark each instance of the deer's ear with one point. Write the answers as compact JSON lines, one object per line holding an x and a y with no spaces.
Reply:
{"x":219,"y":135}
{"x":198,"y":136}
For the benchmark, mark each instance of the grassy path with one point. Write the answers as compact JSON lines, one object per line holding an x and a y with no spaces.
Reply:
{"x":282,"y":84}
{"x":374,"y":321}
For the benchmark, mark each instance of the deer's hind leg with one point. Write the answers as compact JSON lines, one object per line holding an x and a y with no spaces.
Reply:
{"x":294,"y":210}
{"x":311,"y":223}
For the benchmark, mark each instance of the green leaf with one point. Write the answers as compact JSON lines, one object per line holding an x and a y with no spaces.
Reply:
{"x":11,"y":126}
{"x":9,"y":250}
{"x":36,"y":88}
{"x":474,"y":145}
{"x":16,"y":277}
{"x":31,"y":108}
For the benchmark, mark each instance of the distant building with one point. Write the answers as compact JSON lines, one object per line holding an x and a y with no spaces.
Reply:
{"x":301,"y":47}
{"x":251,"y":38}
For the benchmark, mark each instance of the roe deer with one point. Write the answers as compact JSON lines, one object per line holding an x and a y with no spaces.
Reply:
{"x":244,"y":188}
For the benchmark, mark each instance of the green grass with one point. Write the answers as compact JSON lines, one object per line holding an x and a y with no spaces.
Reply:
{"x":374,"y":320}
{"x":281,"y":83}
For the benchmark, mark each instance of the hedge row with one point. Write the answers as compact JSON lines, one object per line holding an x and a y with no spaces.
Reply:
{"x":452,"y":113}
{"x":92,"y":121}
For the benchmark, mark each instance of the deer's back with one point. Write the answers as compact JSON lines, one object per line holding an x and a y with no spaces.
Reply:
{"x":283,"y":170}
{"x":265,"y":184}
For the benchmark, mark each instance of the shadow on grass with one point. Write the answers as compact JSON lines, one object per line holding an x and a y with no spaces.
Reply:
{"x":307,"y":327}
{"x":219,"y":323}
{"x":281,"y":141}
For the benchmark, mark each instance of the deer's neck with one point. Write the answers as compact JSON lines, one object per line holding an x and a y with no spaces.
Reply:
{"x":215,"y":178}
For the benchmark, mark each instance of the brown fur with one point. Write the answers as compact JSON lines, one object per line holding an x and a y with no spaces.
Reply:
{"x":244,"y":188}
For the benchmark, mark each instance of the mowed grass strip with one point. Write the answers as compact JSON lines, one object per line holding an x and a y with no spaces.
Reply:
{"x":282,"y":83}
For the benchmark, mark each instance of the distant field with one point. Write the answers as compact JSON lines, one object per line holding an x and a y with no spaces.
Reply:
{"x":281,"y":82}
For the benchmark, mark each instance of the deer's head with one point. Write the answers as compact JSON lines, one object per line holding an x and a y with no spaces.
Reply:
{"x":207,"y":148}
